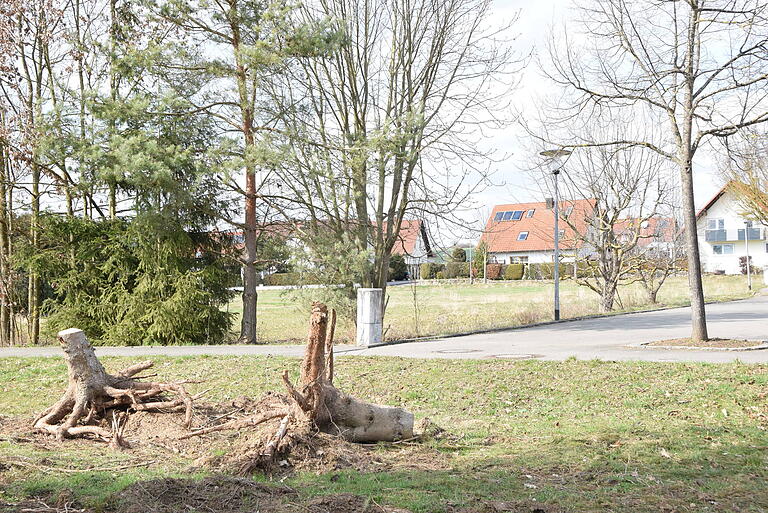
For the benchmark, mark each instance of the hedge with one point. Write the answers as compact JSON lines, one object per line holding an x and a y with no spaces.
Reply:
{"x":283,"y":279}
{"x":514,"y":272}
{"x":457,"y":270}
{"x":494,"y":271}
{"x":428,"y":271}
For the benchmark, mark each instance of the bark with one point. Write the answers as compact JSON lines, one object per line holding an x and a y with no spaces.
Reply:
{"x":92,"y":393}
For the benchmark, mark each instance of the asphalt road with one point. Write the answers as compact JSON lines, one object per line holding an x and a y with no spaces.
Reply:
{"x":607,"y":338}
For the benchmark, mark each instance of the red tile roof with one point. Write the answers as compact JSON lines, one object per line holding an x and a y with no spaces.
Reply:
{"x":410,"y":231}
{"x":656,"y":229}
{"x":502,"y":236}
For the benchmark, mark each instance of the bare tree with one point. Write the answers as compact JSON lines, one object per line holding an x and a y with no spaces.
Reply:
{"x":627,"y":189}
{"x":699,"y":68}
{"x":388,"y":127}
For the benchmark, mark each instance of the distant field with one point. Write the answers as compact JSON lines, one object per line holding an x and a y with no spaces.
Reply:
{"x":440,"y":309}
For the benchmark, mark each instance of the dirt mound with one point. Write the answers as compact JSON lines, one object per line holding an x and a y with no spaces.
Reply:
{"x":218,"y":493}
{"x":343,"y":503}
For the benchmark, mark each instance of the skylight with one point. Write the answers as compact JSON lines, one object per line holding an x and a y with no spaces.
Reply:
{"x":498,"y":216}
{"x":517,"y":215}
{"x":530,"y":212}
{"x":508,"y":215}
{"x":522,"y":236}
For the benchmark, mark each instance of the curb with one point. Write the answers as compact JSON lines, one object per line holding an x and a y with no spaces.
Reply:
{"x":763,"y":344}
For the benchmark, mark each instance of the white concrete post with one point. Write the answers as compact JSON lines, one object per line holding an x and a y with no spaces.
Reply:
{"x":765,"y":274}
{"x":369,"y":319}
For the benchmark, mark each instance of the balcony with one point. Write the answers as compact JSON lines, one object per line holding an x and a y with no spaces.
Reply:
{"x":734,"y":235}
{"x":716,"y":236}
{"x":754,"y":234}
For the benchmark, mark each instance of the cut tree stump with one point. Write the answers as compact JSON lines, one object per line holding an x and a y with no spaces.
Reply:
{"x":92,"y":393}
{"x":315,"y":404}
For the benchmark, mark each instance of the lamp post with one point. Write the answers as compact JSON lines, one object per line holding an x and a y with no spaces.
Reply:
{"x":555,"y":162}
{"x":747,"y":226}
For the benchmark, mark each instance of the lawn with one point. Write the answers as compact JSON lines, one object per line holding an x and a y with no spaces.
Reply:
{"x":524,"y":436}
{"x":430,"y":309}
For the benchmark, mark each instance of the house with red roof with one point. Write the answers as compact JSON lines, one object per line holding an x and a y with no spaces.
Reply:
{"x":524,"y":232}
{"x":724,"y":237}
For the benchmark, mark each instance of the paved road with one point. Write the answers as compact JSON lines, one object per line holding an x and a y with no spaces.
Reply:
{"x":607,"y":338}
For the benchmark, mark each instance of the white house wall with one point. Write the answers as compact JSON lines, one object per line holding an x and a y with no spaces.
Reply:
{"x":727,"y":209}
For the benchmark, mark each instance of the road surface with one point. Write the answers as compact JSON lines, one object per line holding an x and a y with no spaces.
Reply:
{"x":607,"y":338}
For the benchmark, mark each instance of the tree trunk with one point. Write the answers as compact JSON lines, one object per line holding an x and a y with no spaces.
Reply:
{"x":5,"y":320}
{"x":335,"y":412}
{"x":317,"y":404}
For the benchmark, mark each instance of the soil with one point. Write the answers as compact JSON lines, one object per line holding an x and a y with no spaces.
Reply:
{"x":713,"y":342}
{"x":220,"y":494}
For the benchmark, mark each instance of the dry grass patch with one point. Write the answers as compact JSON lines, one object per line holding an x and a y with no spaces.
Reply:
{"x":721,"y":343}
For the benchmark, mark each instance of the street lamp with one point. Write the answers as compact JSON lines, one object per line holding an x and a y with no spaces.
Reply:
{"x":555,"y":159}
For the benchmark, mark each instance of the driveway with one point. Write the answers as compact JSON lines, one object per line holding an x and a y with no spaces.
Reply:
{"x":607,"y":338}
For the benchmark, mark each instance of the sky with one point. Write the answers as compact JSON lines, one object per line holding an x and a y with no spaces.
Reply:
{"x":513,"y":184}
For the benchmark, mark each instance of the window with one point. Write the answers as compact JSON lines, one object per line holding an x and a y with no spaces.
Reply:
{"x":530,"y":212}
{"x":766,"y":248}
{"x":517,"y":215}
{"x":522,"y":236}
{"x":560,"y":234}
{"x":508,"y":215}
{"x":715,"y":224}
{"x":722,"y":249}
{"x":498,"y":216}
{"x":568,"y":210}
{"x":518,"y":260}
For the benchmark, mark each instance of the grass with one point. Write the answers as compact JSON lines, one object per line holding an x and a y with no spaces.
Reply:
{"x":431,"y":309}
{"x":558,"y":436}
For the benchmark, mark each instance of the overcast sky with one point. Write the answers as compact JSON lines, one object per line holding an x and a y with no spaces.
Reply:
{"x":536,"y":18}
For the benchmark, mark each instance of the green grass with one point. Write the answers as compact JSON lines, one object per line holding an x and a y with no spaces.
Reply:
{"x":585,"y":436}
{"x":443,"y":309}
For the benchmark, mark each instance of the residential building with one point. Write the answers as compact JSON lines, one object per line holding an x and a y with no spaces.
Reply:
{"x":413,"y":243}
{"x":524,"y":232}
{"x":724,"y":238}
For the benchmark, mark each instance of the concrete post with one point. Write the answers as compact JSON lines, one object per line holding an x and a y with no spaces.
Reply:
{"x":369,"y":319}
{"x":765,"y":274}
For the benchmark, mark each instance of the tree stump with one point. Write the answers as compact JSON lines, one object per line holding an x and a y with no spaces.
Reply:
{"x":315,"y":403}
{"x":92,"y":392}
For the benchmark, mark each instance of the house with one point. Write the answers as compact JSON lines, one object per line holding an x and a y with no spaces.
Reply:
{"x":524,"y":232}
{"x":656,"y":235}
{"x":413,"y":244}
{"x":723,"y":236}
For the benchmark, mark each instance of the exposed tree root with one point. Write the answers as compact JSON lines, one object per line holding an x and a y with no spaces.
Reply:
{"x":315,"y":404}
{"x":92,"y":392}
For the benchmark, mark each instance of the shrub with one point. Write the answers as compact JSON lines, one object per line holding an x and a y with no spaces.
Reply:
{"x":458,"y":255}
{"x":514,"y":271}
{"x":398,"y":270}
{"x":493,"y":271}
{"x":457,"y":270}
{"x":546,"y":271}
{"x":440,"y":275}
{"x":428,"y":271}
